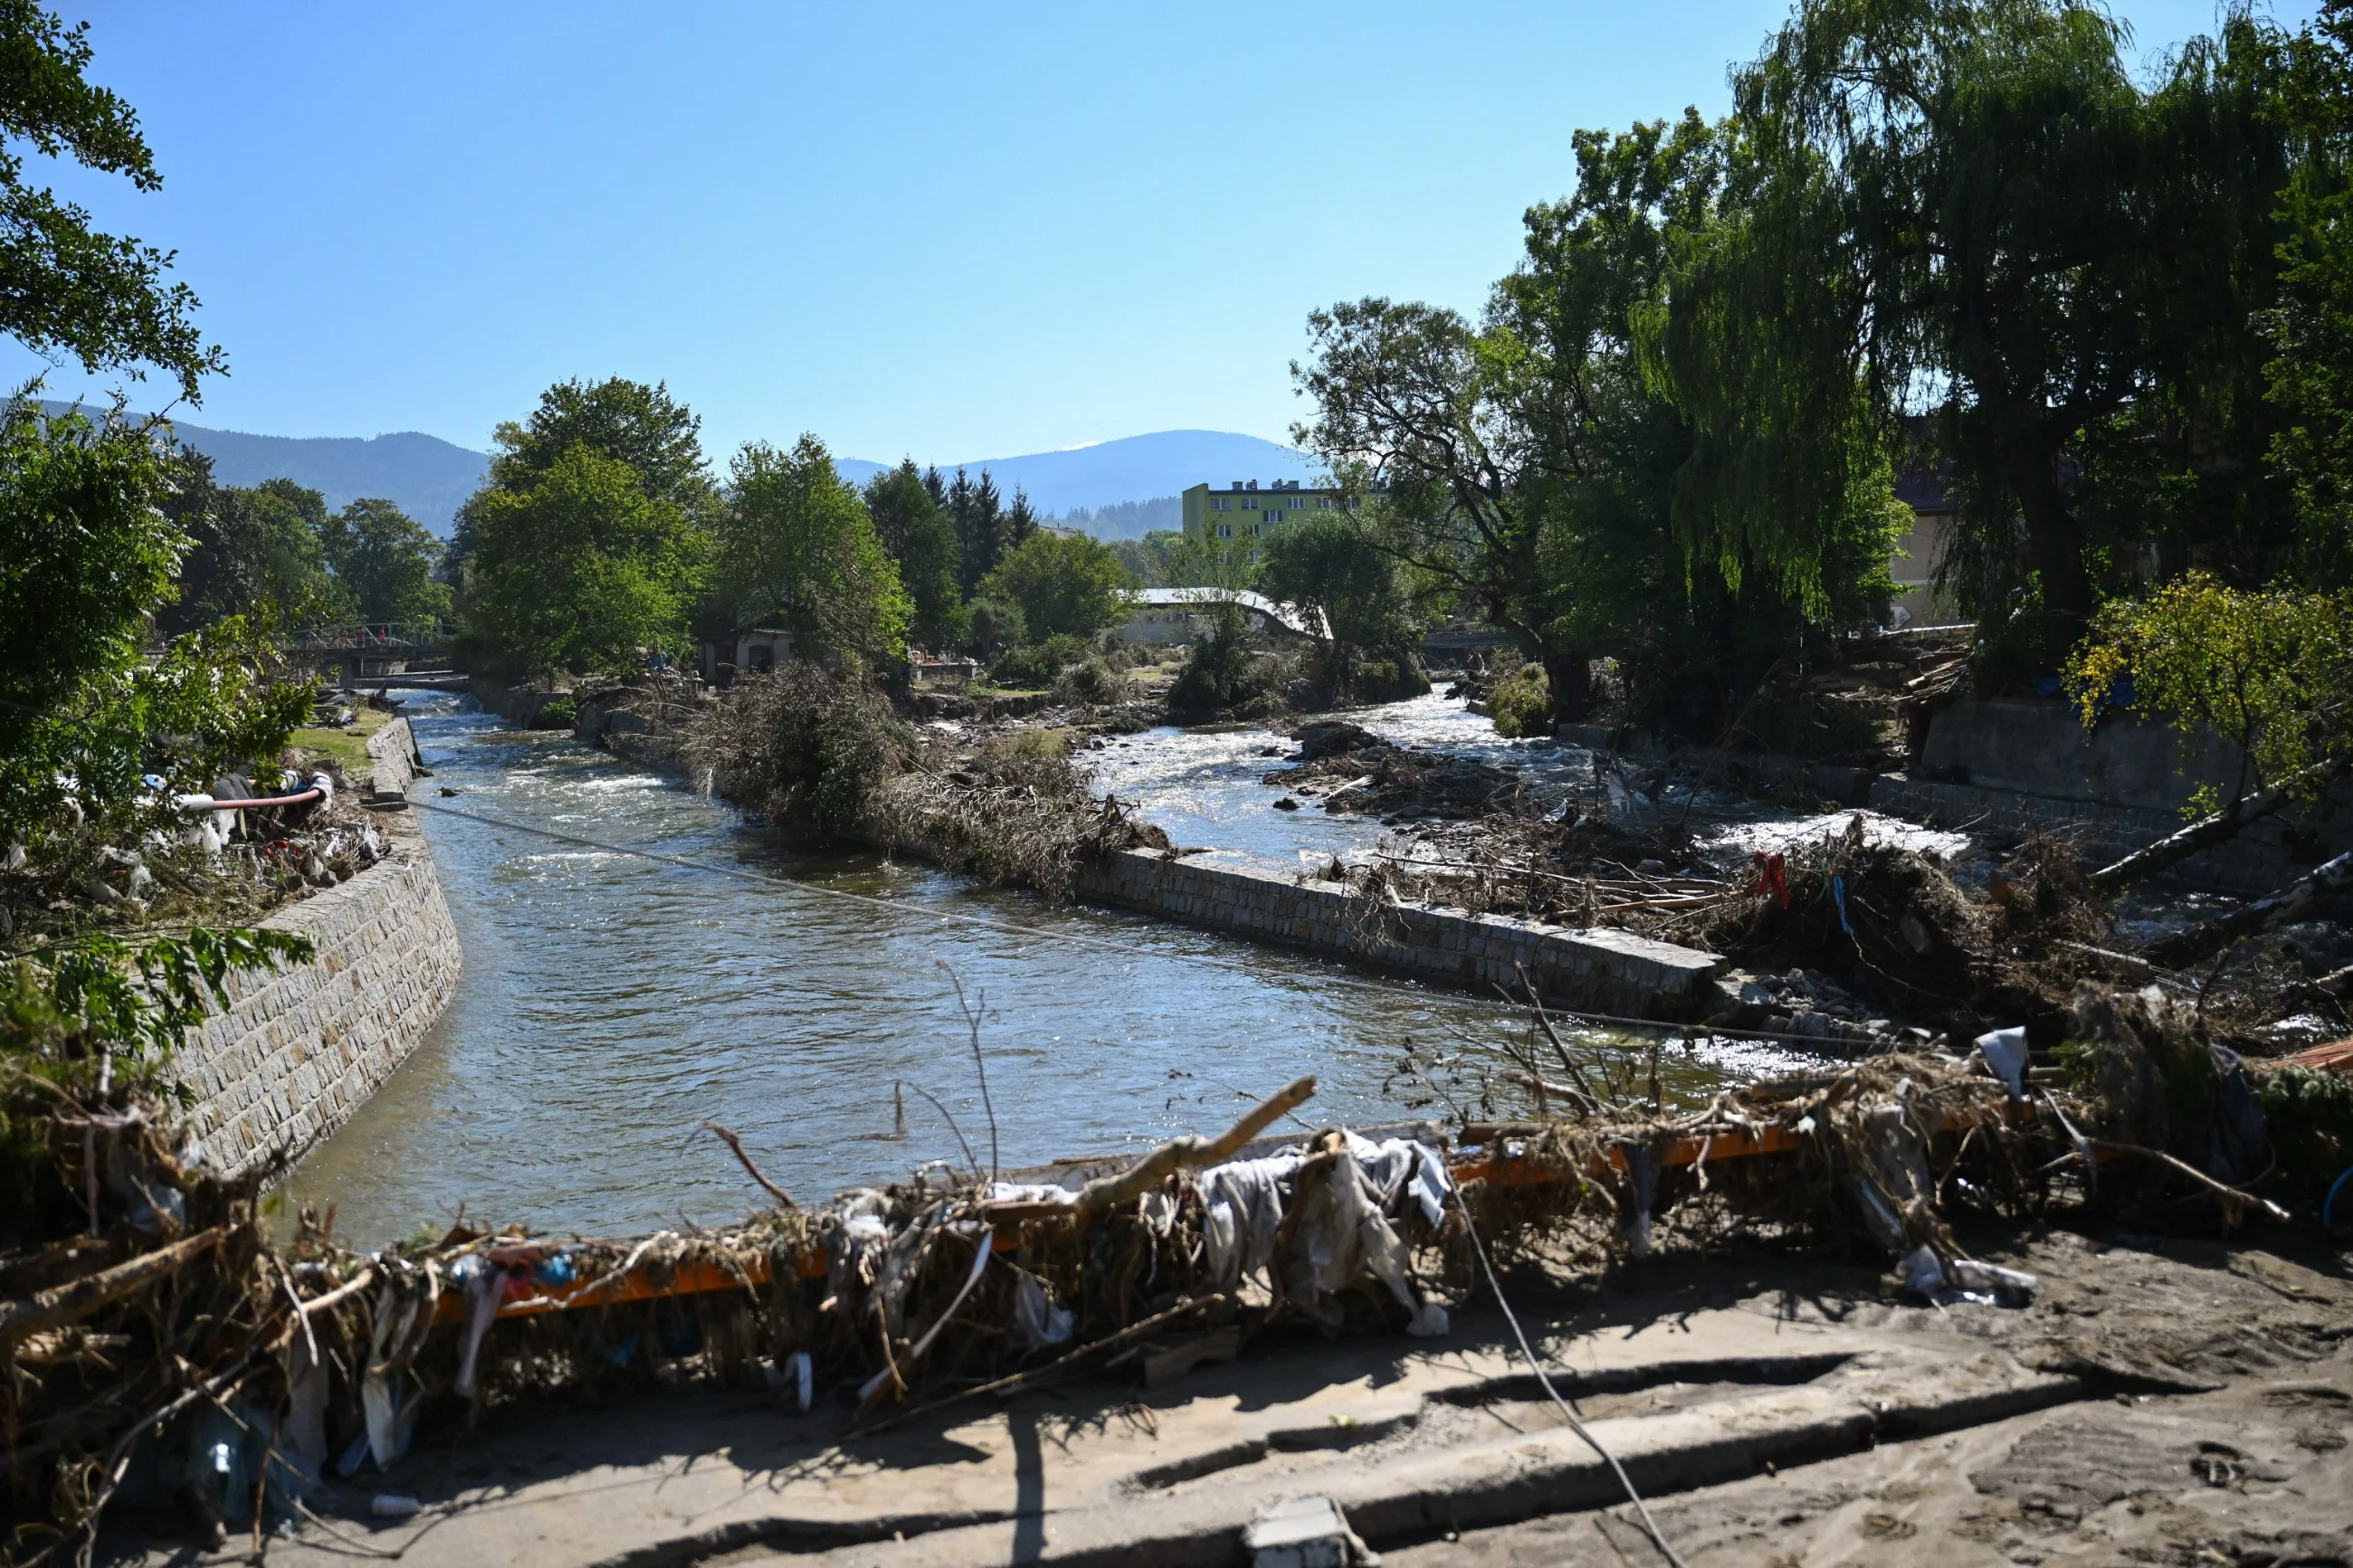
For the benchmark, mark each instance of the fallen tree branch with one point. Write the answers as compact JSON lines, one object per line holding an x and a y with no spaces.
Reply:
{"x":2229,"y":1194}
{"x":1126,"y":1187}
{"x":774,"y":1191}
{"x":2289,"y":904}
{"x":2175,"y":848}
{"x":70,"y":1303}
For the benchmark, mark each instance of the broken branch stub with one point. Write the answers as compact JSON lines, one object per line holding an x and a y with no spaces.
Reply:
{"x":1177,"y":1154}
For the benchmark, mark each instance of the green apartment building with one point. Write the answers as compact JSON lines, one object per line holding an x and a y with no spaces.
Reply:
{"x":1246,"y":511}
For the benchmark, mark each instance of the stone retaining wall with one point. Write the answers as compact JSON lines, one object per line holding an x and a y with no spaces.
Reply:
{"x":299,"y":1048}
{"x":1597,"y":969}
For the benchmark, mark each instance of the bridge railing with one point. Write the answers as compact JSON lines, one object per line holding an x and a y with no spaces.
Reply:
{"x":385,"y":638}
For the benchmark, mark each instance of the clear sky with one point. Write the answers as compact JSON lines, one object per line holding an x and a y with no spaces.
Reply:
{"x":947,"y":230}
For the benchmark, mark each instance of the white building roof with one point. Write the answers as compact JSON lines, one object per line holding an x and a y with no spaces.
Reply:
{"x":1306,"y":623}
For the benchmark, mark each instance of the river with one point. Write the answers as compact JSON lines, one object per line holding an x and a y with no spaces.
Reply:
{"x":612,"y":1004}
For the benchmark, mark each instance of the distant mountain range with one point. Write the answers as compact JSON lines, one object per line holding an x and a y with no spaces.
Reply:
{"x":424,"y":476}
{"x":1134,"y":468}
{"x":1113,"y":490}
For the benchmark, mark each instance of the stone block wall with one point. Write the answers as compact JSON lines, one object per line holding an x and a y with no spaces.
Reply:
{"x":300,"y":1047}
{"x":1599,"y":970}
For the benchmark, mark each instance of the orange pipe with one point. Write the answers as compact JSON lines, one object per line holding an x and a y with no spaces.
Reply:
{"x":528,"y":1299}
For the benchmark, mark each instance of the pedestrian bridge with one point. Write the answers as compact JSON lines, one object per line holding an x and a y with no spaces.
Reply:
{"x":374,"y":655}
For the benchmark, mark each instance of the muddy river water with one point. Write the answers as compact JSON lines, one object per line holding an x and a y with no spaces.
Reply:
{"x":611,"y":1005}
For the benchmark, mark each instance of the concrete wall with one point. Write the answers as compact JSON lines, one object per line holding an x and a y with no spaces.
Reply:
{"x":299,"y":1048}
{"x":1599,"y":970}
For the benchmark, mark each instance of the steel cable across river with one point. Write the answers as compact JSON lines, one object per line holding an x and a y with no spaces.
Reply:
{"x":611,"y":1005}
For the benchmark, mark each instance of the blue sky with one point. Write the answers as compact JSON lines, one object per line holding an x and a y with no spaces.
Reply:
{"x":955,"y":231}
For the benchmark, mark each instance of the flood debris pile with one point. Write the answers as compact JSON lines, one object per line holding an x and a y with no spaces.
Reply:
{"x":1350,"y":769}
{"x":825,"y":759}
{"x":1015,"y":808}
{"x":177,"y":866}
{"x":166,"y":1354}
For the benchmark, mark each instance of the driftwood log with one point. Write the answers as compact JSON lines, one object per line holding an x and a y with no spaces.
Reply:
{"x":1126,"y":1187}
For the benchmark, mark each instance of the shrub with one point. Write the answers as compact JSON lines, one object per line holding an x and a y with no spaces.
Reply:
{"x":1040,"y":664}
{"x":1092,"y":679}
{"x":1521,"y":705}
{"x":1220,"y":670}
{"x":807,"y":749}
{"x":1391,"y":680}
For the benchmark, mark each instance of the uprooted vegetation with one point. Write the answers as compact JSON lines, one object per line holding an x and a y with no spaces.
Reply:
{"x":167,"y":1354}
{"x":823,"y":758}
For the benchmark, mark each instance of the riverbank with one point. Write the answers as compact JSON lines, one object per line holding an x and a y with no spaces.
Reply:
{"x":297,"y":1049}
{"x":610,"y":1005}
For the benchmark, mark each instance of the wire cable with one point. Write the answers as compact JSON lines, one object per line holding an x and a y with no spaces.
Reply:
{"x":999,"y":925}
{"x":1649,"y":1525}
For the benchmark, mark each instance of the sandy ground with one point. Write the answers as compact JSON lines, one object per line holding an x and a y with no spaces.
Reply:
{"x":2161,"y":1400}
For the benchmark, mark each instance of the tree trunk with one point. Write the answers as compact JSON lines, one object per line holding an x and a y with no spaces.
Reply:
{"x":1570,"y":676}
{"x":2055,"y":548}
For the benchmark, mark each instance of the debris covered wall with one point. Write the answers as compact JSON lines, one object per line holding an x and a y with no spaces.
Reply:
{"x":300,"y":1047}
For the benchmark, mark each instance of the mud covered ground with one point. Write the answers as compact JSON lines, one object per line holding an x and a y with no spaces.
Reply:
{"x":2161,"y":1400}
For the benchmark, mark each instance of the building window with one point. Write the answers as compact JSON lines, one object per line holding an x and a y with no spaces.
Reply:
{"x":1298,"y":502}
{"x":1273,"y":515}
{"x":1221,"y":503}
{"x":1323,"y":503}
{"x":1225,"y":530}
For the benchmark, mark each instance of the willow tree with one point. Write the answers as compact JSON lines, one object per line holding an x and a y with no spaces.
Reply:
{"x":1969,"y":209}
{"x":1540,"y":465}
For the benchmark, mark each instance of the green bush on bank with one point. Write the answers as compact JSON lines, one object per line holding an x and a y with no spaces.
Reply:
{"x":1520,"y":704}
{"x":1039,"y":664}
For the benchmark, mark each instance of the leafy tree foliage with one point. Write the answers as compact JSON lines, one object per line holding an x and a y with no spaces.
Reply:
{"x":2271,"y":671}
{"x":1064,"y":583}
{"x":1541,"y":472}
{"x":68,"y":290}
{"x":383,"y":561}
{"x":794,"y":539}
{"x":86,"y":555}
{"x":918,"y":537}
{"x":582,"y":569}
{"x":261,"y":554}
{"x":995,"y":625}
{"x":2312,"y":377}
{"x":626,"y":421}
{"x":1325,"y":563}
{"x":1971,"y":206}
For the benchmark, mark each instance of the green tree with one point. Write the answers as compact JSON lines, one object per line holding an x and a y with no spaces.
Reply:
{"x":1538,"y":470}
{"x":1072,"y":585}
{"x":1325,"y":564}
{"x":977,"y":513}
{"x":259,"y":554}
{"x":2312,"y":375}
{"x":918,"y":536}
{"x":1972,"y":208}
{"x":795,"y":540}
{"x":382,"y":561}
{"x":626,"y":421}
{"x":86,"y":555}
{"x":582,"y":569}
{"x":66,"y":289}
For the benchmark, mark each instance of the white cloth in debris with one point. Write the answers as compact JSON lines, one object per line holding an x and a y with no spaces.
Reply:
{"x":1029,"y":1193}
{"x":1397,"y":1162}
{"x":1038,"y":1321}
{"x":1243,"y":1207}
